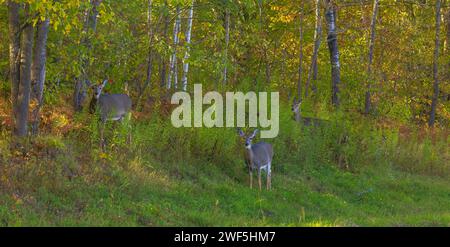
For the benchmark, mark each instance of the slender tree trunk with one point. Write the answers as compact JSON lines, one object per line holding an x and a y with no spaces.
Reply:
{"x":148,"y":76}
{"x":317,"y":42}
{"x":184,"y":80}
{"x":435,"y":66}
{"x":368,"y":102}
{"x":173,"y":59}
{"x":14,"y":57}
{"x":447,"y":49}
{"x":163,"y":60}
{"x":300,"y":58}
{"x":82,"y":82}
{"x":300,"y":63}
{"x":447,"y":18}
{"x":93,"y":16}
{"x":312,"y":74}
{"x":150,"y":43}
{"x":334,"y":52}
{"x":38,"y":73}
{"x":26,"y":49}
{"x":227,"y":41}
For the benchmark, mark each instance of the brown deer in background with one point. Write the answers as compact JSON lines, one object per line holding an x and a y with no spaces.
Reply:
{"x":307,"y":121}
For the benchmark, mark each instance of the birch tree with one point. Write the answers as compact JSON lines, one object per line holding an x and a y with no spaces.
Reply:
{"x":163,"y":58}
{"x":38,"y":72}
{"x":435,"y":66}
{"x":368,"y":103}
{"x":312,"y":74}
{"x":173,"y":59}
{"x":300,"y":62}
{"x":184,"y":79}
{"x":334,"y":51}
{"x":227,"y":41}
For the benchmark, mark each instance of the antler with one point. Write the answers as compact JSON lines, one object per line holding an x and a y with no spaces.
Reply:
{"x":104,"y":82}
{"x":254,"y":133}
{"x":240,"y":132}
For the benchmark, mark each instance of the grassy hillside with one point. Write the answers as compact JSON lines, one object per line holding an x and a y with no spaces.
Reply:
{"x":344,"y":174}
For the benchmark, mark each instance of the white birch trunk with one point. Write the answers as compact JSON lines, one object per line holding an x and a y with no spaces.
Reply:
{"x":184,"y":79}
{"x":312,"y":74}
{"x":227,"y":41}
{"x":173,"y":59}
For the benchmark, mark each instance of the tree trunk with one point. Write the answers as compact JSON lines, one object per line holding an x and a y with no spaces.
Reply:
{"x":447,"y":18}
{"x":300,"y":58}
{"x":368,"y":102}
{"x":93,"y":16}
{"x":38,"y":73}
{"x":148,"y":76}
{"x":334,"y":52}
{"x":82,"y":82}
{"x":300,"y":63}
{"x":227,"y":41}
{"x":173,"y":59}
{"x":447,"y":49}
{"x":26,"y":48}
{"x":14,"y":56}
{"x":317,"y":42}
{"x":163,"y":60}
{"x":435,"y":66}
{"x":184,"y":79}
{"x":312,"y":74}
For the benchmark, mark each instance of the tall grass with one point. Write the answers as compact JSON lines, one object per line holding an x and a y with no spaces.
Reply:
{"x":59,"y":176}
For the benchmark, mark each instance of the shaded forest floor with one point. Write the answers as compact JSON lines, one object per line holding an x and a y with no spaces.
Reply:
{"x":196,"y":177}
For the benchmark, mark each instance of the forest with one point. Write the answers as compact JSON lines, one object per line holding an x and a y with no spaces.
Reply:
{"x":86,"y":98}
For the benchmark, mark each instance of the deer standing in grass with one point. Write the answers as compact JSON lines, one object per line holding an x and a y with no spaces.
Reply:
{"x":113,"y":107}
{"x":307,"y":121}
{"x":258,"y":156}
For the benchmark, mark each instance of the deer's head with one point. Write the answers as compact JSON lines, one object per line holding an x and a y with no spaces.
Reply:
{"x":296,"y":105}
{"x":98,"y":89}
{"x":248,"y":138}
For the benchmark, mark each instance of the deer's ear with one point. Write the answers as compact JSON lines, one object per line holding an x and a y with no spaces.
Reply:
{"x":240,"y":132}
{"x":254,"y":133}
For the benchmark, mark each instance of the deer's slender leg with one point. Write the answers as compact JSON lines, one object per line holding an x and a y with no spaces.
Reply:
{"x":129,"y":129}
{"x":251,"y":178}
{"x":269,"y":177}
{"x":102,"y":141}
{"x":259,"y":179}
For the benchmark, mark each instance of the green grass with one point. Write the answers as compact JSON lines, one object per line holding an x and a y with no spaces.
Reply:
{"x":196,"y":177}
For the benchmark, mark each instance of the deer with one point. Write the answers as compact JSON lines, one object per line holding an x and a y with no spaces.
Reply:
{"x":112,"y":107}
{"x":258,"y":156}
{"x":307,"y":121}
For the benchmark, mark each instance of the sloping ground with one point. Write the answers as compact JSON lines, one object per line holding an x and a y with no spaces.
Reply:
{"x":196,"y":177}
{"x":140,"y":192}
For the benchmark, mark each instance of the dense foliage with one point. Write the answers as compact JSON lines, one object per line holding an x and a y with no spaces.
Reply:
{"x":387,"y":167}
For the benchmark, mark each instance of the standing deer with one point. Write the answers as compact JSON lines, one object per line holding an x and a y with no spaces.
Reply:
{"x":258,"y":156}
{"x":112,"y":107}
{"x":307,"y":121}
